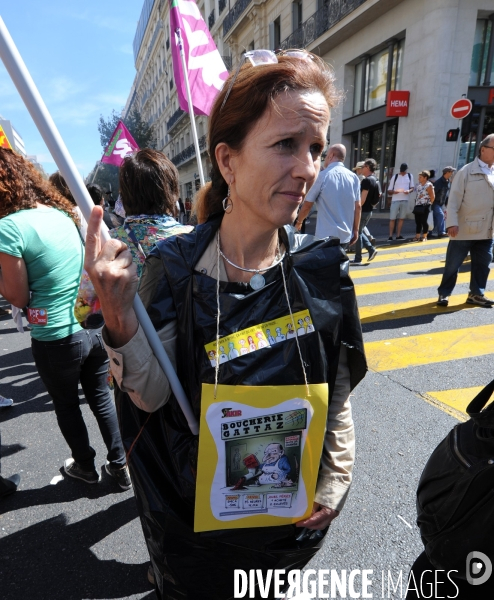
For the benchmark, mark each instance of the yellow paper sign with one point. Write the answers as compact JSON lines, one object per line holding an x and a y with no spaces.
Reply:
{"x":4,"y":141}
{"x":260,"y":336}
{"x":259,"y":454}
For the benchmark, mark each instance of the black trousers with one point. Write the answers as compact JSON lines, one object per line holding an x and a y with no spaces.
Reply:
{"x":421,"y":225}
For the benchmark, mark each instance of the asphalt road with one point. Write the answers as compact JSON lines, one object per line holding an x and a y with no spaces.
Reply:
{"x":61,"y":539}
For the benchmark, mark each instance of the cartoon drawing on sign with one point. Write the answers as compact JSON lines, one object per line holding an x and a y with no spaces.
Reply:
{"x":309,"y":325}
{"x":262,"y":343}
{"x":271,"y":339}
{"x":252,"y":346}
{"x":279,"y":336}
{"x":223,"y":356}
{"x":243,"y":349}
{"x":291,"y":332}
{"x":232,"y":353}
{"x":212,"y":357}
{"x":301,"y":328}
{"x":236,"y":459}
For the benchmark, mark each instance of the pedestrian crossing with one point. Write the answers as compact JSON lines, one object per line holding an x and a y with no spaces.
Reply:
{"x":408,"y":336}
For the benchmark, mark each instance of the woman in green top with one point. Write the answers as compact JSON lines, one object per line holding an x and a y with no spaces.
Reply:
{"x":41,"y":258}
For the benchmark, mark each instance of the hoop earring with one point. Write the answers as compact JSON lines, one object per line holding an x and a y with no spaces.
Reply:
{"x":227,"y":203}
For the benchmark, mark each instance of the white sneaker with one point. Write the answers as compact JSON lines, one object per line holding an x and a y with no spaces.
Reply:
{"x":4,"y":402}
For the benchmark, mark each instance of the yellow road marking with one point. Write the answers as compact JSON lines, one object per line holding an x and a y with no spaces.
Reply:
{"x":428,"y":348}
{"x":458,"y":399}
{"x":398,"y":285}
{"x":411,"y":267}
{"x":412,"y":308}
{"x":382,"y":257}
{"x":414,"y":245}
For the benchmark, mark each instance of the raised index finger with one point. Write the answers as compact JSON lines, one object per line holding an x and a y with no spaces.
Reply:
{"x":93,"y":240}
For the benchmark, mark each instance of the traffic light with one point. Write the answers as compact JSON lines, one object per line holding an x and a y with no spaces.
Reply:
{"x":470,"y":124}
{"x":452,"y":135}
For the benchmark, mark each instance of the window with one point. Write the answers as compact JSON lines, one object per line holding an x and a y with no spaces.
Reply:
{"x":483,"y":33}
{"x":251,"y":45}
{"x":373,"y":70}
{"x":171,"y":84}
{"x":296,"y":14}
{"x":275,"y":34}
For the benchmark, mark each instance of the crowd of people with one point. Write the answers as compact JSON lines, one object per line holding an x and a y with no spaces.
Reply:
{"x":240,"y":267}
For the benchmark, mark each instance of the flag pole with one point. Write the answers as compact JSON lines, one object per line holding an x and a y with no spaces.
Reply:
{"x":96,"y":172}
{"x":37,"y":108}
{"x":191,"y":108}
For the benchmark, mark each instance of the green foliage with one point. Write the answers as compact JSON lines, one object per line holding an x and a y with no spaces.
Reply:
{"x":144,"y":135}
{"x":106,"y":177}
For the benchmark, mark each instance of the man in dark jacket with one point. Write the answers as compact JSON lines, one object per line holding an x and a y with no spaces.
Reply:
{"x":370,"y":194}
{"x":441,"y":189}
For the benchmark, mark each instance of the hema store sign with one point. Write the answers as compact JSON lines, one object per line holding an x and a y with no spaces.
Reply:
{"x":397,"y":104}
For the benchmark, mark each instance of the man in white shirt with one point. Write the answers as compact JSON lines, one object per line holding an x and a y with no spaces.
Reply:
{"x":337,"y":193}
{"x":399,"y":188}
{"x":470,"y":225}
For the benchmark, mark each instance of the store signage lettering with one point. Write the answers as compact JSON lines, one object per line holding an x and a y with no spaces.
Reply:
{"x":397,"y":103}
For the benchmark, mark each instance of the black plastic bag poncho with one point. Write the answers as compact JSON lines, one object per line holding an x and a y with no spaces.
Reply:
{"x":164,"y":459}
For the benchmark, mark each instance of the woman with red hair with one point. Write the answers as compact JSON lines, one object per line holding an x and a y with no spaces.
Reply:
{"x":41,"y":256}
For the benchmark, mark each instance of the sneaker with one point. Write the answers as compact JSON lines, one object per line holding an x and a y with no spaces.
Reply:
{"x":4,"y":402}
{"x":9,"y":485}
{"x":120,"y":474}
{"x":400,"y":237}
{"x":442,"y":301}
{"x":443,"y":235}
{"x":479,"y":300}
{"x":390,"y":239}
{"x":372,"y":255}
{"x":355,"y":262}
{"x":73,"y":469}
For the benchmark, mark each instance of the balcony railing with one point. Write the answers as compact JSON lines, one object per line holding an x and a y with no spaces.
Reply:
{"x":211,"y":19}
{"x":221,"y":6}
{"x":228,"y":62}
{"x":189,"y":152}
{"x":234,"y":14}
{"x":321,"y":21}
{"x":174,"y":119}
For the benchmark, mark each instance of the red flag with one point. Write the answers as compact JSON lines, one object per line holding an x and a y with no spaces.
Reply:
{"x":121,"y":145}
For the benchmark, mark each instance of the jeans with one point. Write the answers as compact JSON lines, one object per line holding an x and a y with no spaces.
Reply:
{"x":362,"y":238}
{"x":438,"y":214}
{"x":61,"y":365}
{"x":481,"y":257}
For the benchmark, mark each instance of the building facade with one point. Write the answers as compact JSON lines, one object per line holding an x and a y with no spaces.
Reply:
{"x":437,"y":50}
{"x":154,"y":93}
{"x":13,"y":136}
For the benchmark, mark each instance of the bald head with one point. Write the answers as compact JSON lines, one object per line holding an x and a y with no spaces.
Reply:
{"x":336,"y":153}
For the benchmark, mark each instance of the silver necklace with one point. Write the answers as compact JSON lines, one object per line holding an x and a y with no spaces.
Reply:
{"x":218,"y":313}
{"x":257,"y":281}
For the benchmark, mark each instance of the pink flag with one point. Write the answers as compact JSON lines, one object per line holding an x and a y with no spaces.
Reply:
{"x":121,"y":145}
{"x":205,"y":67}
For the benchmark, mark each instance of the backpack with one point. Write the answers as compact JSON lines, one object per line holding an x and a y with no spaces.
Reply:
{"x":455,"y":496}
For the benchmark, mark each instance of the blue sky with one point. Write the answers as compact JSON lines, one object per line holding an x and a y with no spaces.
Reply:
{"x":80,"y":57}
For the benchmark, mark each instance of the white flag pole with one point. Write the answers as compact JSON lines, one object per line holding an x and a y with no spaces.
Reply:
{"x":34,"y":103}
{"x":95,"y":173}
{"x":191,"y":108}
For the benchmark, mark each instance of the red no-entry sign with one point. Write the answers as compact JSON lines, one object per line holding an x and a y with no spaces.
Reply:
{"x":461,"y":108}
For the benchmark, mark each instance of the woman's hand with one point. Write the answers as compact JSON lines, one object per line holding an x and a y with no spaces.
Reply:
{"x":114,"y":277}
{"x":320,"y":518}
